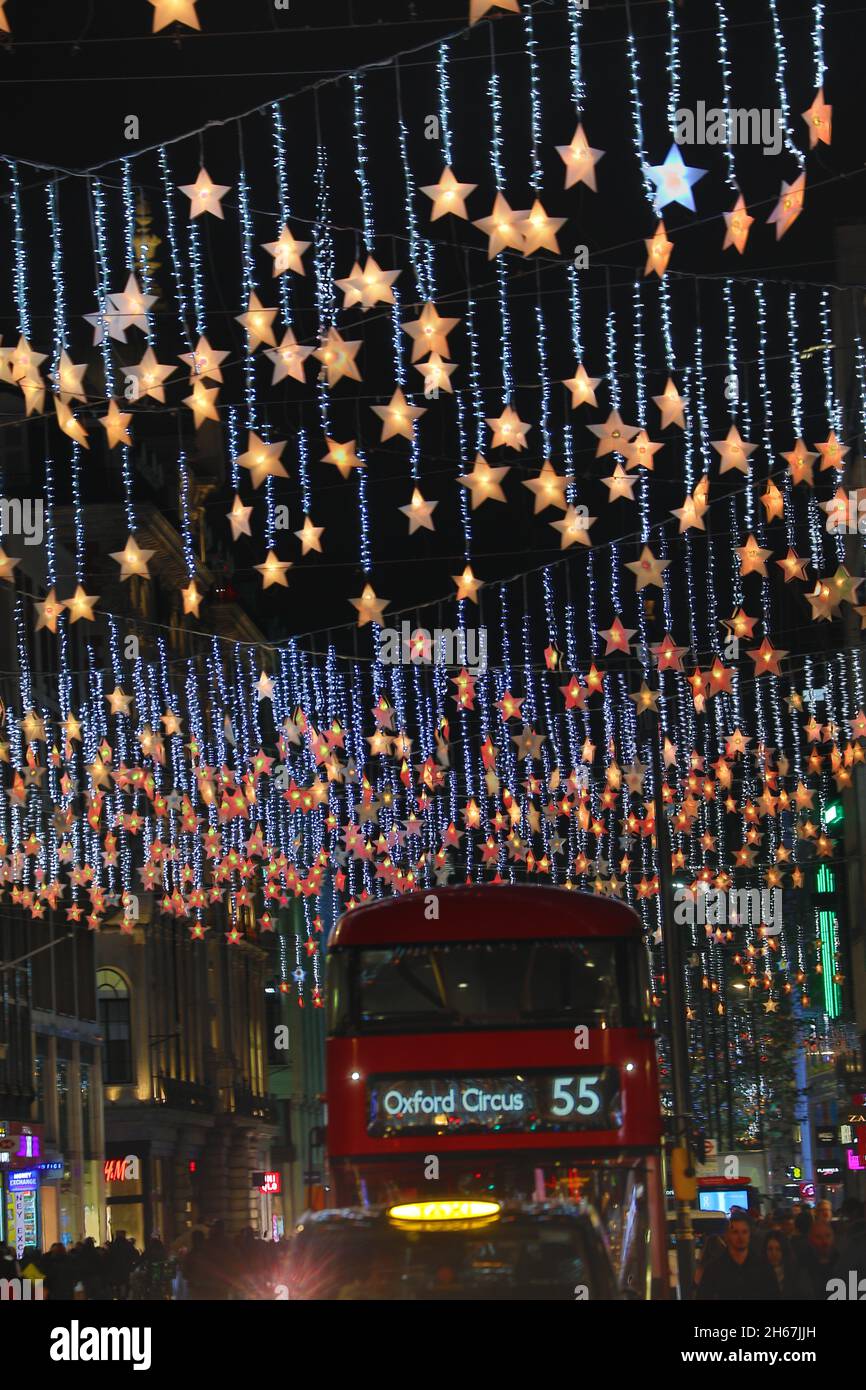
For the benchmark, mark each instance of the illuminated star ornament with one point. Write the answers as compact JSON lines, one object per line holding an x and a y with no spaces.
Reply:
{"x":133,"y":560}
{"x":258,"y":322}
{"x":508,"y":430}
{"x":819,"y":119}
{"x":288,"y":358}
{"x":674,"y":181}
{"x":167,"y":12}
{"x":479,"y":8}
{"x":484,"y":482}
{"x":287,"y":252}
{"x":429,"y":333}
{"x":369,"y":607}
{"x":503,"y":228}
{"x":789,"y":206}
{"x":737,"y":224}
{"x":658,"y":251}
{"x":448,"y":196}
{"x":398,"y":417}
{"x":582,"y":387}
{"x":419,"y":512}
{"x":273,"y":571}
{"x":262,"y":460}
{"x":337,"y":357}
{"x":580,"y":160}
{"x":205,"y":195}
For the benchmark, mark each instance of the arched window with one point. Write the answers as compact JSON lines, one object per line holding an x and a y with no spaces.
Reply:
{"x":113,"y":994}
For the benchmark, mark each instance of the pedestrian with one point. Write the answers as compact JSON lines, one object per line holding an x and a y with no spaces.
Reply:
{"x":791,"y":1282}
{"x":737,"y":1274}
{"x":152,"y":1278}
{"x":9,"y":1267}
{"x":60,"y":1277}
{"x":123,"y":1257}
{"x":800,"y":1238}
{"x":820,"y":1261}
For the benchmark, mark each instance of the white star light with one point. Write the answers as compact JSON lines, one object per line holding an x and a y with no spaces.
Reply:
{"x":673,"y":180}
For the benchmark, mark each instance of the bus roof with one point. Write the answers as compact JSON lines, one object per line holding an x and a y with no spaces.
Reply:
{"x":484,"y":912}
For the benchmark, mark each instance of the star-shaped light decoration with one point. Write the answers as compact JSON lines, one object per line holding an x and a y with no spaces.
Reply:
{"x":437,"y":375}
{"x":616,"y":637}
{"x":191,"y":599}
{"x":288,"y":358}
{"x":205,"y":195}
{"x":753,"y":557}
{"x":737,"y":224}
{"x":674,"y":180}
{"x":800,"y":461}
{"x":273,"y":571}
{"x":579,"y":160}
{"x":645,"y":699}
{"x":81,"y":605}
{"x":648,"y":569}
{"x":264,"y":687}
{"x":369,"y":607}
{"x":262,"y":459}
{"x":793,"y":567}
{"x":734,"y":451}
{"x":150,"y":375}
{"x":658,"y":251}
{"x":671,"y":405}
{"x":539,"y":231}
{"x":548,"y":488}
{"x":772,"y":501}
{"x":337,"y":357}
{"x":69,"y":379}
{"x":127,"y":310}
{"x":639,"y":451}
{"x":239,"y":518}
{"x":287,"y":253}
{"x":503,"y":228}
{"x":448,"y":196}
{"x":67,"y":422}
{"x":369,"y":286}
{"x":4,"y":22}
{"x":118,"y":701}
{"x":832,"y":453}
{"x":479,"y":8}
{"x":342,"y":456}
{"x":668,"y":656}
{"x":174,"y":12}
{"x":429,"y":333}
{"x":309,"y":536}
{"x":467,"y":585}
{"x":509,"y":431}
{"x":582,"y":387}
{"x":619,"y":484}
{"x":574,"y":527}
{"x":202,"y":403}
{"x":789,"y":206}
{"x":398,"y":417}
{"x":49,"y":610}
{"x":7,"y":566}
{"x":613,"y":435}
{"x":419,"y":512}
{"x":132,"y":560}
{"x":484,"y":482}
{"x":689,"y":515}
{"x":258,"y":322}
{"x":204,"y":361}
{"x":766,"y":659}
{"x":819,"y":119}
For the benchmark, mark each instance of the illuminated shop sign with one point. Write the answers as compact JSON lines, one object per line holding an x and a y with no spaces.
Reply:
{"x":122,"y":1169}
{"x":22,"y":1145}
{"x":550,"y":1101}
{"x":23,"y":1181}
{"x":267,"y":1182}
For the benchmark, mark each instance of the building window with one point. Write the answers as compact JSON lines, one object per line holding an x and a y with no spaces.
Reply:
{"x":62,"y":1105}
{"x":114,"y":1017}
{"x":39,"y":1088}
{"x":86,"y":1110}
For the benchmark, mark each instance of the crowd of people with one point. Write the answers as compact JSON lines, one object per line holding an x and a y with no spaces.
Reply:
{"x":212,"y":1265}
{"x":803,"y":1253}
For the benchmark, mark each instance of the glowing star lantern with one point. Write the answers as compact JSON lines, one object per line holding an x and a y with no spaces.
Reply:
{"x":674,"y":181}
{"x":337,"y":357}
{"x":619,"y":484}
{"x":204,"y":362}
{"x":509,"y":431}
{"x":800,"y":461}
{"x":658,"y":251}
{"x":130,"y":311}
{"x":832,"y":452}
{"x":479,"y":8}
{"x":819,"y":119}
{"x":81,"y":605}
{"x":369,"y":286}
{"x":503,"y":228}
{"x":579,"y":160}
{"x":789,"y":206}
{"x":613,"y":435}
{"x":288,"y":358}
{"x":549,"y":489}
{"x":398,"y":417}
{"x":49,"y":610}
{"x":69,"y":380}
{"x":273,"y":571}
{"x":793,"y":567}
{"x":582,"y":387}
{"x":467,"y":585}
{"x":7,"y":566}
{"x":670,"y":403}
{"x":133,"y":560}
{"x":287,"y":253}
{"x":753,"y":557}
{"x":648,"y":569}
{"x":149,"y":376}
{"x":737,"y":224}
{"x":174,"y":12}
{"x":309,"y":536}
{"x":205,"y":195}
{"x":437,"y":375}
{"x":448,"y":196}
{"x":734,"y":451}
{"x":258,"y":322}
{"x":419,"y":513}
{"x":539,"y":231}
{"x":640,"y":450}
{"x":4,"y":22}
{"x":484,"y":482}
{"x":202,"y":403}
{"x":262,"y":460}
{"x":574,"y":527}
{"x":429,"y":333}
{"x":69,"y":425}
{"x":369,"y":607}
{"x":342,"y":456}
{"x":191,"y":599}
{"x":239,"y":518}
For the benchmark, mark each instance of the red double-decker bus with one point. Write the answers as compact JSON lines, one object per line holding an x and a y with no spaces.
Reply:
{"x":496,"y":1041}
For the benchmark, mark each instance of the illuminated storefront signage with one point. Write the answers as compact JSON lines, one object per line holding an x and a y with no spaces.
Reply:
{"x":122,"y":1169}
{"x":267,"y":1182}
{"x":23,"y":1181}
{"x":552,"y":1101}
{"x":16,"y":1142}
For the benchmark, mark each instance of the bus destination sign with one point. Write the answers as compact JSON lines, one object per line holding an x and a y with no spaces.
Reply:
{"x":505,"y":1102}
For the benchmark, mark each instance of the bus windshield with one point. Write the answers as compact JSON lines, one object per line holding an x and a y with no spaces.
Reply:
{"x":499,"y":984}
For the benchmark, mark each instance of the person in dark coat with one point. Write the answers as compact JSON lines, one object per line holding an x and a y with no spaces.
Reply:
{"x":737,"y":1274}
{"x":791,"y":1282}
{"x":820,"y":1263}
{"x":123,"y":1257}
{"x":60,"y":1277}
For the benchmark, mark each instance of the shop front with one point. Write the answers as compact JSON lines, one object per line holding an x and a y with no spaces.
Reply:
{"x":128,"y":1191}
{"x":21,"y":1222}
